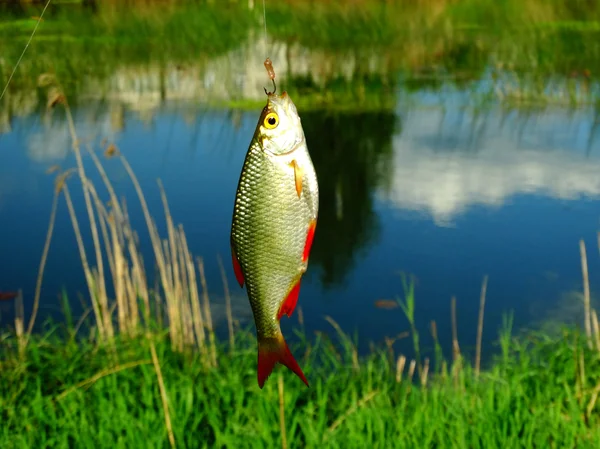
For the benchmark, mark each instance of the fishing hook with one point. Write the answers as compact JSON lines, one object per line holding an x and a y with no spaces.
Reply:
{"x":274,"y":88}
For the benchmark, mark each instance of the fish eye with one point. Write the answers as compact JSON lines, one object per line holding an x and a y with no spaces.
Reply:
{"x":271,"y":120}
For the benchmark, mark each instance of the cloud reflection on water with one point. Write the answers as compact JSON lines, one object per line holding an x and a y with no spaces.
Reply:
{"x":443,"y":168}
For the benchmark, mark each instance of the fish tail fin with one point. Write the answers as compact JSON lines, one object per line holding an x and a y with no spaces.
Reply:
{"x":272,"y":351}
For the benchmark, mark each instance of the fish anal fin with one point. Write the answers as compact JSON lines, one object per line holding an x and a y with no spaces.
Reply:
{"x":298,"y":175}
{"x":237,"y":268}
{"x":312,"y":227}
{"x":272,"y":351}
{"x":289,"y":303}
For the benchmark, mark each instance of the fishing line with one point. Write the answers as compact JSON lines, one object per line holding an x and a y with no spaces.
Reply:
{"x":265,"y":22}
{"x":25,"y":49}
{"x":268,"y":64}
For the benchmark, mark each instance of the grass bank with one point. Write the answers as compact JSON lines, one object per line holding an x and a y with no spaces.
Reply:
{"x":64,"y":392}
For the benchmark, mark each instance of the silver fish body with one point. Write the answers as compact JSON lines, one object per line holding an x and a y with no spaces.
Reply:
{"x":274,"y":220}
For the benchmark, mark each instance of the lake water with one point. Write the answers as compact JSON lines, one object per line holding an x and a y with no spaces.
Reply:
{"x":433,"y":187}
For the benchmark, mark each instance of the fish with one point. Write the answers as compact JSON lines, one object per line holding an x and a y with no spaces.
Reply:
{"x":273,"y":227}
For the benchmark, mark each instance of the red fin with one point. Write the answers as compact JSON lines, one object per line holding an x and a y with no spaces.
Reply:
{"x":272,"y":351}
{"x":309,"y":239}
{"x":237,"y":268}
{"x":289,"y":303}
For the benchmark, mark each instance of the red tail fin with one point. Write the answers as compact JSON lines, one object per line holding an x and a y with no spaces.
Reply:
{"x":272,"y":351}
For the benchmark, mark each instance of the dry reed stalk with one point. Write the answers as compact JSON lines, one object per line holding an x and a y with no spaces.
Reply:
{"x":207,"y":313}
{"x":100,"y":280}
{"x":411,"y":369}
{"x":596,"y":328}
{"x":40,"y":276}
{"x":86,"y":268}
{"x":425,"y":372}
{"x":227,"y":303}
{"x":177,"y":287}
{"x":400,"y":368}
{"x":338,"y":329}
{"x":433,"y":327}
{"x":455,"y":346}
{"x":124,"y":277}
{"x":116,"y":255}
{"x":130,"y":304}
{"x":117,"y":213}
{"x":19,"y":323}
{"x":96,"y":377}
{"x":109,"y":187}
{"x":105,"y":219}
{"x":80,"y":322}
{"x":190,"y":284}
{"x":282,"y":412}
{"x":116,"y":258}
{"x":163,"y":392}
{"x":158,"y":300}
{"x":480,"y":325}
{"x":582,"y":370}
{"x":180,"y":274}
{"x":139,"y":275}
{"x":586,"y":293}
{"x":197,"y":318}
{"x":593,"y":399}
{"x":444,"y":370}
{"x":361,"y":403}
{"x":160,"y":257}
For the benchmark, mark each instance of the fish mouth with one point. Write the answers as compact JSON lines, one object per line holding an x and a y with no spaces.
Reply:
{"x":279,"y":100}
{"x":284,"y":101}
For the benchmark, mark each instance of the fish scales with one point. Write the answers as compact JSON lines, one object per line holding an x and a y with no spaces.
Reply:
{"x":269,"y":220}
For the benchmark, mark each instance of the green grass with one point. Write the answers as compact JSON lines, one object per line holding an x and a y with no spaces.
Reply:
{"x":68,"y":393}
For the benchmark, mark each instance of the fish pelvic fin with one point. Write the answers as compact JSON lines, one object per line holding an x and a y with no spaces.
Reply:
{"x":275,"y":350}
{"x":289,"y":303}
{"x":237,"y":268}
{"x":310,"y":236}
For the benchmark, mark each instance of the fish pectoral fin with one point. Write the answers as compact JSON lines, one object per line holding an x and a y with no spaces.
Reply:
{"x":289,"y":303}
{"x":298,"y":175}
{"x":237,"y":268}
{"x":272,"y":351}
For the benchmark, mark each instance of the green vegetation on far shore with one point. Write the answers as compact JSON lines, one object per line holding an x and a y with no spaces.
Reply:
{"x":531,"y":53}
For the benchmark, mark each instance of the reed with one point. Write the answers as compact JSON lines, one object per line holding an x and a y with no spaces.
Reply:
{"x":480,"y":325}
{"x":129,"y":311}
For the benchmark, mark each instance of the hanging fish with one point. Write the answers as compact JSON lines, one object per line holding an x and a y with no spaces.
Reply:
{"x":273,"y":226}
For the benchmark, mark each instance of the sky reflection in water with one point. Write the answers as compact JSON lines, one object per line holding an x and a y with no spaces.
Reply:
{"x":437,"y":191}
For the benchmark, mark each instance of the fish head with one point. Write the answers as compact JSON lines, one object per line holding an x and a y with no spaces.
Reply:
{"x":279,"y":130}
